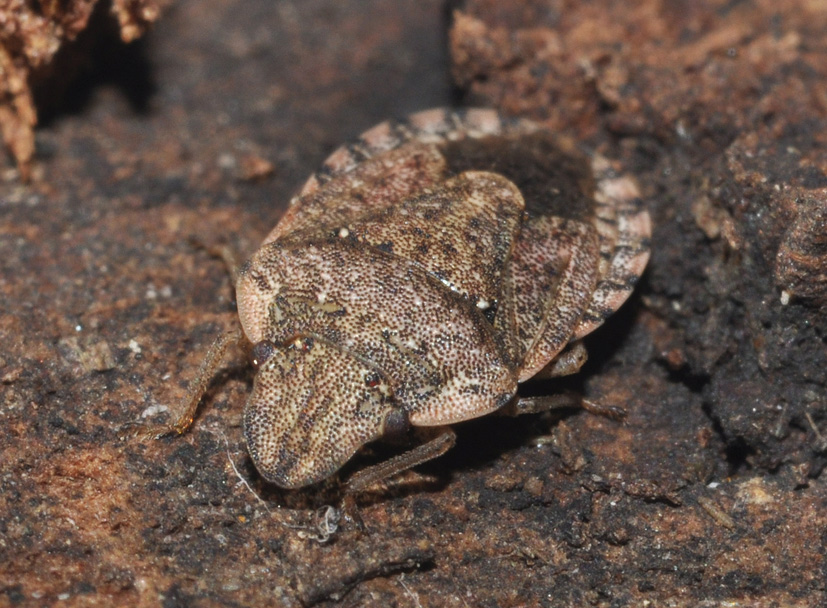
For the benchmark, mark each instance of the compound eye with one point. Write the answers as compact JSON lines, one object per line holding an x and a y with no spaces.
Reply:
{"x":262,"y":351}
{"x":396,"y":424}
{"x":372,"y":380}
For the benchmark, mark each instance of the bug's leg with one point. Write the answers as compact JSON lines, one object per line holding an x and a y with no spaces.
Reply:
{"x":566,"y":363}
{"x":229,"y":258}
{"x":615,"y":412}
{"x":543,"y":403}
{"x":427,"y":451}
{"x":560,"y":401}
{"x":225,"y":253}
{"x":196,"y":389}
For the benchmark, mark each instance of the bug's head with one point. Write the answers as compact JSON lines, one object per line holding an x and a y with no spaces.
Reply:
{"x":312,"y":407}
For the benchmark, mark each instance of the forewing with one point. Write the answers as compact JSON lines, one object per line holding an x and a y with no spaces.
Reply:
{"x":551,"y":278}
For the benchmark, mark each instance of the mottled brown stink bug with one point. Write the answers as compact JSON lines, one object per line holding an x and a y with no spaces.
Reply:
{"x":424,"y":272}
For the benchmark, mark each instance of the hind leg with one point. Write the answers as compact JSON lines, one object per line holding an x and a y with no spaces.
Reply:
{"x":436,"y":447}
{"x":568,"y":362}
{"x":561,"y":401}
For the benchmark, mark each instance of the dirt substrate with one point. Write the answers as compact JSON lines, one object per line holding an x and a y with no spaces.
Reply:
{"x":711,"y":492}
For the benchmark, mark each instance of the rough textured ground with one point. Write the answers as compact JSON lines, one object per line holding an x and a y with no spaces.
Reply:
{"x":710,"y":494}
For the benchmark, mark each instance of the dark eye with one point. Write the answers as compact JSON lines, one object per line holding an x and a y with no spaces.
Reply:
{"x":396,"y":424}
{"x":261,"y":352}
{"x":372,"y":379}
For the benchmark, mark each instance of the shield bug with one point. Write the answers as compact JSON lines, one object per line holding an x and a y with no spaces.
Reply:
{"x":417,"y":278}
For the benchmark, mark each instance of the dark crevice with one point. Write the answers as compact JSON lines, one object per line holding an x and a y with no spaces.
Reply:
{"x":737,"y":452}
{"x":97,"y":58}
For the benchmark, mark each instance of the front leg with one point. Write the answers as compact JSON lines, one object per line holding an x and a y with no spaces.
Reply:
{"x":434,"y":448}
{"x":184,"y":413}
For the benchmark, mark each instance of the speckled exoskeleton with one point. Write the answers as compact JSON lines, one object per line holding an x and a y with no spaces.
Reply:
{"x":423,"y":273}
